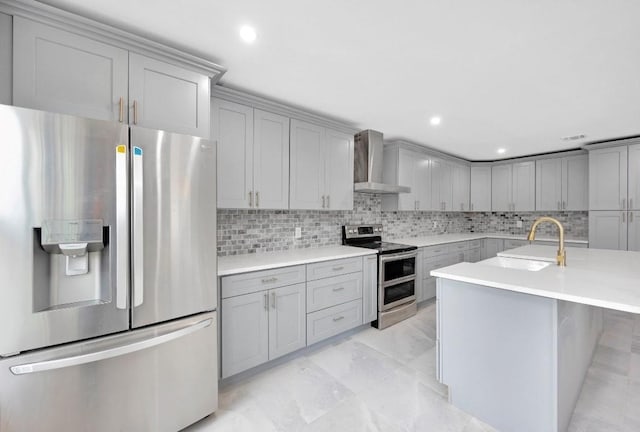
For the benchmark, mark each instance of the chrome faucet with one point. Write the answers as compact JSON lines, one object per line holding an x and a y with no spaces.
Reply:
{"x":561,"y":258}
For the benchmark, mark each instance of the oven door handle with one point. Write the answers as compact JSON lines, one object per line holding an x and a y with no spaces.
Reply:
{"x":394,"y":257}
{"x":397,"y":281}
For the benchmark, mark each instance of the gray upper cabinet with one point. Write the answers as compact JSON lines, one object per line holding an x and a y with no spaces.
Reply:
{"x":575,"y":182}
{"x":608,"y":178}
{"x":407,"y":168}
{"x":232,"y":129}
{"x":6,"y":43}
{"x":548,"y":180}
{"x":253,"y":156}
{"x":460,"y":184}
{"x":164,"y":96}
{"x":513,"y":187}
{"x":58,"y":71}
{"x":634,"y":177}
{"x":321,"y":162}
{"x":480,"y":189}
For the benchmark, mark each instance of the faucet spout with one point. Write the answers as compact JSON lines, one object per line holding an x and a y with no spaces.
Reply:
{"x":561,"y":257}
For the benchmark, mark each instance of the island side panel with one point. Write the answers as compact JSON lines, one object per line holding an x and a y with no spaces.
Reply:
{"x":580,"y":327}
{"x":498,"y":355}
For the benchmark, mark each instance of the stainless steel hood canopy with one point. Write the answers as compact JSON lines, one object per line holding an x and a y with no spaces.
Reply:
{"x":367,"y":173}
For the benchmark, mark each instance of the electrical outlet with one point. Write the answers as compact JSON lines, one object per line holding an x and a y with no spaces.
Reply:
{"x":435,"y":224}
{"x":519,"y":224}
{"x":298,"y":233}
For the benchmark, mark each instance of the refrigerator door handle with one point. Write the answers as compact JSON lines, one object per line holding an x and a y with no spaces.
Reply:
{"x":109,"y":353}
{"x":122,"y":228}
{"x":138,"y":235}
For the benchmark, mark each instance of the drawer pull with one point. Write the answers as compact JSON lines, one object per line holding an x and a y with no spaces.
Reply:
{"x":269,"y":280}
{"x":338,"y":289}
{"x":338,"y":318}
{"x":338,"y":268}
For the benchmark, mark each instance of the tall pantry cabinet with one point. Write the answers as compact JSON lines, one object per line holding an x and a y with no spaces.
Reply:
{"x":614,"y":196}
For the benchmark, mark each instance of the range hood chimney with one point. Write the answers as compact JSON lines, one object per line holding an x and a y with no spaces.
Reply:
{"x":367,"y":166}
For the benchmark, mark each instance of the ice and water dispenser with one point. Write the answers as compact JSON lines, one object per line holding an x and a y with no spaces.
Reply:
{"x":70,"y":264}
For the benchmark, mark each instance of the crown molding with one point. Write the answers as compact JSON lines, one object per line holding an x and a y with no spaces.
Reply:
{"x":238,"y":96}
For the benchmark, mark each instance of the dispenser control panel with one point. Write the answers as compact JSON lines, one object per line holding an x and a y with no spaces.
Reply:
{"x":57,"y":232}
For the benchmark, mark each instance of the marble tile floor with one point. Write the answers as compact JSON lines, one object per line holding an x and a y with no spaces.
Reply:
{"x":385,"y":381}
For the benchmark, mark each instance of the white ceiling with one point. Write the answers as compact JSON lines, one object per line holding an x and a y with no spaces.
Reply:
{"x":518,"y":74}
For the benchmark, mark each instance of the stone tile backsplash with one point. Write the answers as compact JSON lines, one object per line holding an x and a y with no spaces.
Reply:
{"x":251,"y":231}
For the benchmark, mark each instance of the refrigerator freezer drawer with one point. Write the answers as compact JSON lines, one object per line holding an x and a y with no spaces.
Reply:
{"x":161,"y":378}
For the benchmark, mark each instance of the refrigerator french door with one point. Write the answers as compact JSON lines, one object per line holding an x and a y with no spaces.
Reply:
{"x":107,"y":275}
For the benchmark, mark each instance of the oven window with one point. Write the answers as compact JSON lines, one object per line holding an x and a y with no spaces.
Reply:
{"x":400,"y":268}
{"x":397,"y":292}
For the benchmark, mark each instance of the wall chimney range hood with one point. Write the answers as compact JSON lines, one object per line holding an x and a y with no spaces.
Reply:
{"x":367,"y":167}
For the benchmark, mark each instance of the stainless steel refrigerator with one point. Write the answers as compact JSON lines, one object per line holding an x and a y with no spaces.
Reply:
{"x":107,"y":275}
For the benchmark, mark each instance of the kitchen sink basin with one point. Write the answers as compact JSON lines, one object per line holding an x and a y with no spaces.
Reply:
{"x":516,"y":263}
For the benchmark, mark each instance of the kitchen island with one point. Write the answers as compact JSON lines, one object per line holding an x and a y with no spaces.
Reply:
{"x":516,"y":333}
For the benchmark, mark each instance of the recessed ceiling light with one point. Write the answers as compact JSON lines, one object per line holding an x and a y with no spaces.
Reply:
{"x":502,"y":151}
{"x":248,"y":34}
{"x":435,"y":120}
{"x":573,"y":137}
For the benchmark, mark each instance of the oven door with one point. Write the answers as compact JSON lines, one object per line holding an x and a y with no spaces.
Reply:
{"x":396,"y":279}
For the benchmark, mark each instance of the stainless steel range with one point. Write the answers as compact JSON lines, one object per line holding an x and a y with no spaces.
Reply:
{"x":396,"y":273}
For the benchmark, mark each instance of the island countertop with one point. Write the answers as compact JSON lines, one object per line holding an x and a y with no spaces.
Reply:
{"x":597,"y":277}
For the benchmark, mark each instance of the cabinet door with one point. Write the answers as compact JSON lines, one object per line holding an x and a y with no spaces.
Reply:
{"x":58,"y":71}
{"x":501,"y":188}
{"x":422,"y":181}
{"x":408,"y":176}
{"x":232,"y":129}
{"x":338,"y":168}
{"x":6,"y":58}
{"x":524,"y":186}
{"x":245,"y":332}
{"x":441,"y":185}
{"x":634,"y":177}
{"x":306,"y":181}
{"x":548,"y":182}
{"x":633,"y":231}
{"x":461,"y":184}
{"x":608,"y":230}
{"x":575,"y":181}
{"x":270,"y":160}
{"x":608,"y":178}
{"x":168,"y":97}
{"x":480,"y":188}
{"x":287,"y":320}
{"x":370,"y":289}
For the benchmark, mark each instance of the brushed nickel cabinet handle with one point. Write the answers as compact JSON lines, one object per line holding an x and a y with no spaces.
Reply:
{"x":328,"y":201}
{"x":273,"y":299}
{"x":338,"y":268}
{"x":257,"y":199}
{"x":323,"y":200}
{"x":250,"y":199}
{"x":269,"y":280}
{"x":135,"y":112}
{"x":338,"y":289}
{"x":623,"y":217}
{"x":624,"y":204}
{"x":266,"y":301}
{"x":121,"y":111}
{"x":630,"y":217}
{"x":338,"y":318}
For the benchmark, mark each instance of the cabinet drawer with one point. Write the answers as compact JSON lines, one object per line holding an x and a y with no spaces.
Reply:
{"x":474,"y":244}
{"x":458,"y":247}
{"x":246,"y":283}
{"x":512,"y":244}
{"x":332,"y":291}
{"x":432,"y":251}
{"x":333,"y":268}
{"x":331,"y":321}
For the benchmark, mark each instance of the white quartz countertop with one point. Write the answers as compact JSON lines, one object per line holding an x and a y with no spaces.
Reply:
{"x":597,"y":277}
{"x":234,"y":264}
{"x":458,"y":237}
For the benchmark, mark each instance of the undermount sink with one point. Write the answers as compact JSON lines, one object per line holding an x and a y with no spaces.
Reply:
{"x":516,"y":263}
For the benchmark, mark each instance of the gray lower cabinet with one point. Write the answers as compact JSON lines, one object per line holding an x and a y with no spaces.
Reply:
{"x":331,"y":321}
{"x":261,"y":326}
{"x":6,"y":47}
